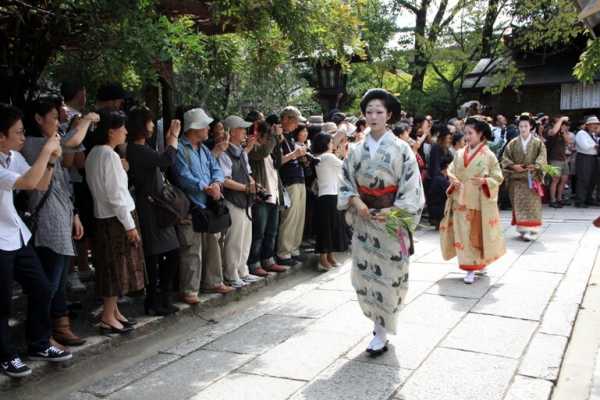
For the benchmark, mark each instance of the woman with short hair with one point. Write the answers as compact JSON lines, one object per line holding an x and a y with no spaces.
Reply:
{"x":118,"y":252}
{"x":330,"y":229}
{"x":146,"y":171}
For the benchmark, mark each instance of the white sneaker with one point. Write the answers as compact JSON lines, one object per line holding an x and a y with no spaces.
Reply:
{"x":237,"y":284}
{"x":250,"y":278}
{"x":74,"y":284}
{"x":470,"y":278}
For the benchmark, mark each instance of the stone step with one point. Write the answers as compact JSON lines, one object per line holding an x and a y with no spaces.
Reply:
{"x":84,"y":323}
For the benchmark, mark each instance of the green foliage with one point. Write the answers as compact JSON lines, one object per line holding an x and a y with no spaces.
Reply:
{"x":545,"y":22}
{"x":128,"y":48}
{"x":589,"y":64}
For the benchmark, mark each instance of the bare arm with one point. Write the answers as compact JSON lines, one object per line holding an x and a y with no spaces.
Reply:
{"x":39,"y":175}
{"x":81,"y":127}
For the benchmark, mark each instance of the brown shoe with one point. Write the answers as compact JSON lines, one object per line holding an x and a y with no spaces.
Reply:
{"x":61,"y":332}
{"x":54,"y":343}
{"x":276,"y":268}
{"x":260,"y":272}
{"x":222,"y":289}
{"x":191,"y":299}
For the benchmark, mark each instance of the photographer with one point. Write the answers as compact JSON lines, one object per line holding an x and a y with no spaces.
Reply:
{"x":265,"y":160}
{"x":557,"y":140}
{"x":239,"y":191}
{"x":291,"y":228}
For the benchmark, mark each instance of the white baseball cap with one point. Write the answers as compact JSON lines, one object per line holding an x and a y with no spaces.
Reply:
{"x":196,"y":118}
{"x":233,"y":121}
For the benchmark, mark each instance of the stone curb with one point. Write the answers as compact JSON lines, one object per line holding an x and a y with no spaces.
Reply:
{"x":101,"y":343}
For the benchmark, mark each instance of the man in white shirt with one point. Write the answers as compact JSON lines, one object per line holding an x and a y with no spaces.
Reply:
{"x":18,"y":260}
{"x":585,"y":163}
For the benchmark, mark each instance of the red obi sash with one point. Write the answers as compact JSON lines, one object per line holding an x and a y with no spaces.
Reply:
{"x":378,"y":198}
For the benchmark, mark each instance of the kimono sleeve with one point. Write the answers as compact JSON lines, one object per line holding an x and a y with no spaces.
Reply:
{"x":410,"y":196}
{"x":541,"y":159}
{"x":348,"y":187}
{"x":507,"y":156}
{"x":494,"y":178}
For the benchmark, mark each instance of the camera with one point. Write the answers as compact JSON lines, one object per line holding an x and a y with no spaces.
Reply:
{"x":261,"y":194}
{"x":309,"y":159}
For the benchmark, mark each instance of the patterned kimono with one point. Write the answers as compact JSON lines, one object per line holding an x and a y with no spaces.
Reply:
{"x":471,"y":225}
{"x":389,"y":179}
{"x":526,"y":202}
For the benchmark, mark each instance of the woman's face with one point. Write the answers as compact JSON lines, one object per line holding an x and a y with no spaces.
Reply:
{"x":48,"y":123}
{"x":118,"y":136}
{"x":524,"y":128}
{"x":405,"y":135}
{"x":377,"y":115}
{"x":218,"y":130}
{"x":302,"y":136}
{"x":473,"y":137}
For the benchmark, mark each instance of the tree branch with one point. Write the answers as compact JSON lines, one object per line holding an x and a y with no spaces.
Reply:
{"x":407,"y":4}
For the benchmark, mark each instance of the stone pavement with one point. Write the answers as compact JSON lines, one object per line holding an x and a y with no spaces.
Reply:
{"x":503,"y":337}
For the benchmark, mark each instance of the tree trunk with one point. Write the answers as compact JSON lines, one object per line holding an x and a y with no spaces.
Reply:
{"x":487,"y":33}
{"x":420,"y":57}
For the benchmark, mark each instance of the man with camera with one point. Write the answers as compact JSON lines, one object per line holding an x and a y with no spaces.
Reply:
{"x":557,"y":140}
{"x":265,"y":160}
{"x":291,"y":227}
{"x":240,"y":191}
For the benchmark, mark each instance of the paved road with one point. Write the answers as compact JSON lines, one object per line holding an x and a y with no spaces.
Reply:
{"x":504,"y":337}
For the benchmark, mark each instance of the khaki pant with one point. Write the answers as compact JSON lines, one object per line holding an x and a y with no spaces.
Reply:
{"x":200,"y":262}
{"x":237,"y":244}
{"x":291,"y":225}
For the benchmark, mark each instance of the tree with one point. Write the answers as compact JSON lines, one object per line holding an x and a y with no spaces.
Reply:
{"x":426,"y":34}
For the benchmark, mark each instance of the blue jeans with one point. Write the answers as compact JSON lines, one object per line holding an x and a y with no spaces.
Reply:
{"x":56,"y":267}
{"x":265,"y":223}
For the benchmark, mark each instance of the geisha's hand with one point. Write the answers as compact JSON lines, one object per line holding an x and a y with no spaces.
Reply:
{"x":361,"y":208}
{"x":379,"y":216}
{"x":478,"y":181}
{"x":531,"y":167}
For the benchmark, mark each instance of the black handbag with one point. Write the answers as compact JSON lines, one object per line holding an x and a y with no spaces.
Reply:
{"x":170,"y":205}
{"x":215,"y":218}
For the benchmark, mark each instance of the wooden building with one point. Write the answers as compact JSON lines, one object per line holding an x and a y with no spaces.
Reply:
{"x":548,"y":86}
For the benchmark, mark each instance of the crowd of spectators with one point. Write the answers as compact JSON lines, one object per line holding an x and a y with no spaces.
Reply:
{"x":84,"y":195}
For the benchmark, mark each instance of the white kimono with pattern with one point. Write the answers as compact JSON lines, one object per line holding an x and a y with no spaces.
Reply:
{"x":390,"y":179}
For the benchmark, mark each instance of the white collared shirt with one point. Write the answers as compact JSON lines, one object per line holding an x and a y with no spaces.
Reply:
{"x":525,"y":142}
{"x":13,"y":232}
{"x":585,"y":144}
{"x":109,"y":186}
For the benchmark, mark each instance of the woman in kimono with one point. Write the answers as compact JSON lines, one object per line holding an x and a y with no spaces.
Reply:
{"x":380,"y":174}
{"x":471,"y":226}
{"x":522,"y":161}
